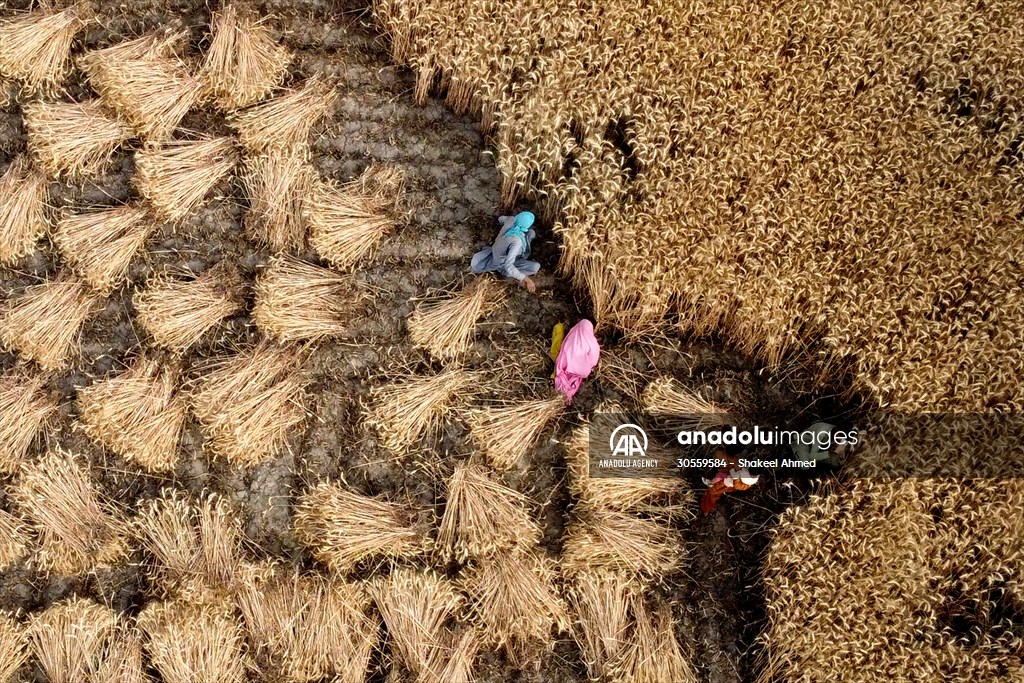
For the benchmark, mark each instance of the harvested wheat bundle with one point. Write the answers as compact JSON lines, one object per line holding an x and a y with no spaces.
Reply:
{"x":159,"y":44}
{"x":137,"y":414}
{"x":43,"y":323}
{"x":14,"y":545}
{"x":69,"y":638}
{"x":176,"y":177}
{"x":506,"y":433}
{"x":23,"y":193}
{"x":100,"y":245}
{"x":277,"y":185}
{"x":193,"y":640}
{"x":514,"y":601}
{"x":601,"y":603}
{"x":121,"y":660}
{"x":651,"y":653}
{"x":347,"y":222}
{"x":415,"y":606}
{"x":343,"y":528}
{"x":152,"y":93}
{"x":192,"y":546}
{"x":664,"y":397}
{"x":244,"y":62}
{"x":445,"y":326}
{"x":284,"y":122}
{"x":24,"y":408}
{"x":305,"y":627}
{"x":296,"y":300}
{"x":72,"y":139}
{"x":482,"y":517}
{"x":605,"y":539}
{"x":35,"y":48}
{"x":248,"y":403}
{"x":407,"y":408}
{"x":178,"y":313}
{"x":459,"y":656}
{"x":76,"y":529}
{"x":14,"y":650}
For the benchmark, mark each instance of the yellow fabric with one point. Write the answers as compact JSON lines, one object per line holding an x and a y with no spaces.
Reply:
{"x":557,"y":335}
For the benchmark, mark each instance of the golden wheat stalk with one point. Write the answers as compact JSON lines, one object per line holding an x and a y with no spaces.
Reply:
{"x":405,"y":409}
{"x":137,"y":414}
{"x":415,"y":606}
{"x":178,"y":313}
{"x":76,"y":529}
{"x":24,"y":409}
{"x":296,"y":300}
{"x":163,"y":43}
{"x":72,"y":139}
{"x":482,"y":517}
{"x":507,"y":432}
{"x":14,"y":647}
{"x":121,"y":659}
{"x":664,"y":397}
{"x":193,"y":546}
{"x":152,"y":93}
{"x":23,"y":195}
{"x":342,"y":528}
{"x":445,"y":326}
{"x":284,"y":122}
{"x":346,"y":222}
{"x":14,"y":545}
{"x":278,"y":185}
{"x":35,"y":48}
{"x":244,"y":63}
{"x":455,"y":661}
{"x":651,"y":651}
{"x":43,"y":324}
{"x":605,"y":539}
{"x":193,"y":640}
{"x":248,"y":404}
{"x":601,"y":602}
{"x":514,"y":601}
{"x":177,"y":176}
{"x":100,"y":244}
{"x":69,"y":638}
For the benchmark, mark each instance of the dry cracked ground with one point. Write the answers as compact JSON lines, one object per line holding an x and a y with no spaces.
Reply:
{"x":452,"y":194}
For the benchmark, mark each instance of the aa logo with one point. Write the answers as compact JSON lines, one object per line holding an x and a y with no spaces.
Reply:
{"x":628,"y":441}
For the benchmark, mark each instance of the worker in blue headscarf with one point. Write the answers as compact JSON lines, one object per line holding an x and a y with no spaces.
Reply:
{"x":510,"y":253}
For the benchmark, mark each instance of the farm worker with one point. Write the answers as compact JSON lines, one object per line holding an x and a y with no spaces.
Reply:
{"x":557,"y":335}
{"x":577,"y":357}
{"x":732,"y":478}
{"x":510,"y":253}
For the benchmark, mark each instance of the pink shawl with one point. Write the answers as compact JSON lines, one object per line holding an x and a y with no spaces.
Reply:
{"x":578,"y":356}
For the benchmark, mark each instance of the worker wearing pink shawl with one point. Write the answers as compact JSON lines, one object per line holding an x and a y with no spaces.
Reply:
{"x":577,"y":357}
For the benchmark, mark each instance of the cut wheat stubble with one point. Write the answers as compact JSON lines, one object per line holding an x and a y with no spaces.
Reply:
{"x":43,"y":323}
{"x":23,"y":195}
{"x":347,"y":222}
{"x":101,"y":244}
{"x":35,"y":49}
{"x":73,"y":140}
{"x":284,"y":122}
{"x":482,"y":517}
{"x":137,"y":414}
{"x":247,"y":404}
{"x":177,"y":176}
{"x":278,"y":185}
{"x":343,"y":528}
{"x":296,"y":300}
{"x":244,"y":63}
{"x":445,"y":327}
{"x":76,"y":529}
{"x":179,"y":313}
{"x":507,"y":432}
{"x":25,"y":407}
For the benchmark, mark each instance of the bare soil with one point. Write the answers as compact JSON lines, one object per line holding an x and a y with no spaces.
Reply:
{"x":453,"y":195}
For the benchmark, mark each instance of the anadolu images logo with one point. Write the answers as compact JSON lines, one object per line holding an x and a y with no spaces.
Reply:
{"x":626,"y":441}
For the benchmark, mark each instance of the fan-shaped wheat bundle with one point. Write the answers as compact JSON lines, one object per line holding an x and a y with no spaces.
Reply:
{"x":13,"y":646}
{"x":284,"y":122}
{"x":601,"y":602}
{"x":24,"y":408}
{"x":244,"y":62}
{"x":651,"y":651}
{"x":445,"y":326}
{"x":189,"y":640}
{"x":178,"y":313}
{"x":296,"y":300}
{"x":605,"y":539}
{"x":70,"y":638}
{"x":100,"y":244}
{"x":23,"y":193}
{"x":409,"y":407}
{"x":14,"y":545}
{"x":35,"y":48}
{"x":43,"y":323}
{"x":176,"y":177}
{"x":72,"y":139}
{"x":507,"y":432}
{"x":278,"y":185}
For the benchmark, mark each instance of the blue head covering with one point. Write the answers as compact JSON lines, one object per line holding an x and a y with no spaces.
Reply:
{"x":521,"y":224}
